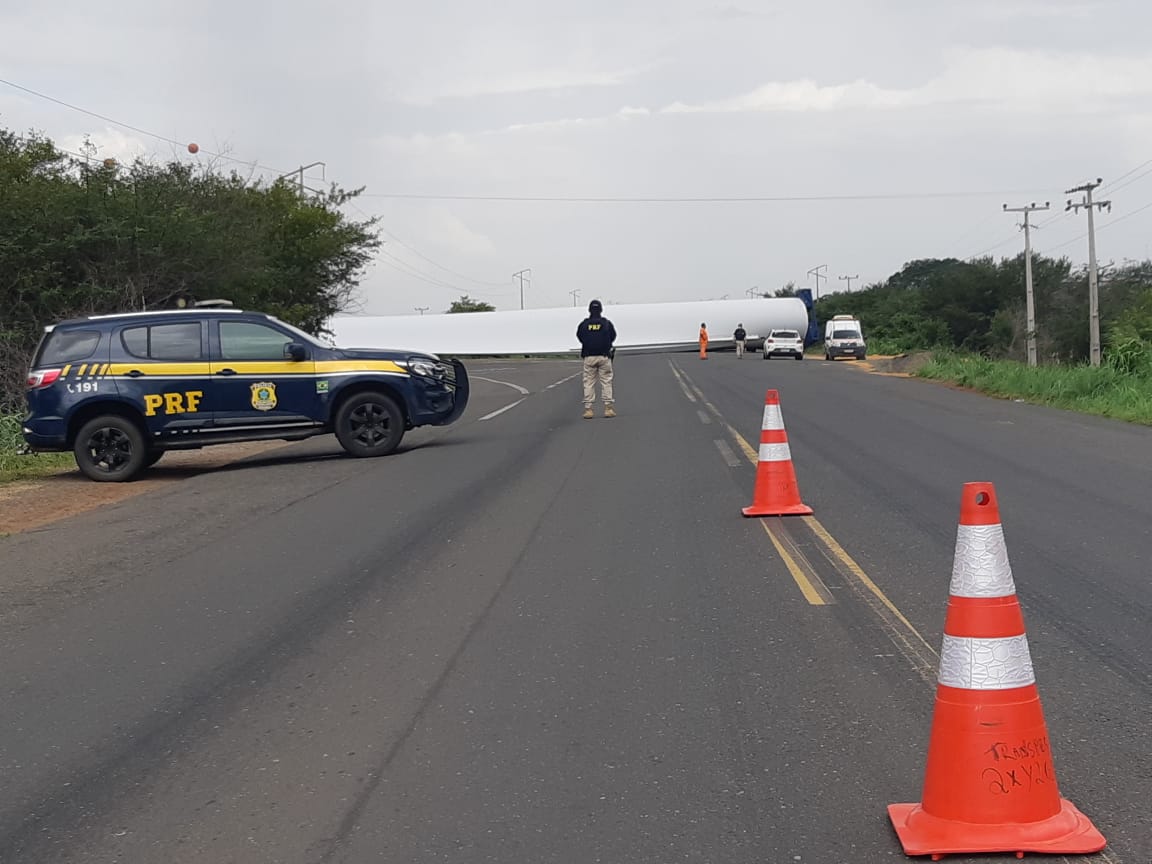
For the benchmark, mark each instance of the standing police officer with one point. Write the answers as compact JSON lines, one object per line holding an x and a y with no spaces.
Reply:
{"x":739,"y":335}
{"x":596,"y":335}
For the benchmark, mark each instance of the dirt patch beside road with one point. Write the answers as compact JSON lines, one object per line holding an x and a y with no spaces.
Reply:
{"x":897,"y":365}
{"x":28,"y":504}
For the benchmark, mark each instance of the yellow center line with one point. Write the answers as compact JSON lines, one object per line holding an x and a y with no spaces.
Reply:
{"x":751,"y":455}
{"x":803,"y":574}
{"x":858,"y":571}
{"x":824,"y":536}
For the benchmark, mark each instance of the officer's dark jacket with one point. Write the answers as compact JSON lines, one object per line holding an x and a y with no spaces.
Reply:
{"x":596,"y":336}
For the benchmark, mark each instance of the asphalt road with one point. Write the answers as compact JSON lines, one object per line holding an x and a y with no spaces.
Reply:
{"x":531,"y":637}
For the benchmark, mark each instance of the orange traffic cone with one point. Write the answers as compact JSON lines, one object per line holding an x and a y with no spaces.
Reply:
{"x":776,"y":492}
{"x":989,"y":784}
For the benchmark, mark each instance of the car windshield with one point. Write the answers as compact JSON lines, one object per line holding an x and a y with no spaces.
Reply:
{"x":845,"y":334}
{"x":306,"y":338}
{"x":785,"y":334}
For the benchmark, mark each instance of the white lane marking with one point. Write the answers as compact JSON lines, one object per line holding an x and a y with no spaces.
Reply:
{"x":505,"y":383}
{"x":526,"y":393}
{"x":726,"y":451}
{"x":680,"y":381}
{"x":562,"y":380}
{"x":704,"y":418}
{"x":500,"y":411}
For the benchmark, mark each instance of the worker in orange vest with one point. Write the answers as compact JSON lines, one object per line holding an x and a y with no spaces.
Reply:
{"x":703,"y":341}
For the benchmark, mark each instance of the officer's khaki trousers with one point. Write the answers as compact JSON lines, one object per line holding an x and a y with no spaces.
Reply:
{"x":597,"y":368}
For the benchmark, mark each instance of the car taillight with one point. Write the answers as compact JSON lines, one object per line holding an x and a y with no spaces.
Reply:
{"x":43,"y":378}
{"x":772,"y":340}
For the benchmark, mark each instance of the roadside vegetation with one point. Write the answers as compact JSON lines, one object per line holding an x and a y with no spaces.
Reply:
{"x":81,"y":236}
{"x":1104,"y":390}
{"x":14,"y":466}
{"x":970,"y":314}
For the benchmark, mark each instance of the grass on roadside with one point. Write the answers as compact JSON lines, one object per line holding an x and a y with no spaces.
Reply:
{"x":1102,"y":390}
{"x":13,"y":466}
{"x":884,"y":347}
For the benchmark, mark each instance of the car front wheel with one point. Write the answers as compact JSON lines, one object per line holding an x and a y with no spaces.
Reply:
{"x":110,"y":449}
{"x":369,"y":424}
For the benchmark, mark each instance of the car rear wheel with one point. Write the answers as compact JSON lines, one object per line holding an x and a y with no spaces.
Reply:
{"x":799,"y":356}
{"x":369,"y":424}
{"x":110,"y":449}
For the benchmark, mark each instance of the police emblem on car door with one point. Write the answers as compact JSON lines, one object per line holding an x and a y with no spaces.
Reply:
{"x":264,"y":396}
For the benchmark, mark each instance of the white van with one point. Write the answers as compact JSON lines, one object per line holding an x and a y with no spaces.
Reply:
{"x":844,"y":337}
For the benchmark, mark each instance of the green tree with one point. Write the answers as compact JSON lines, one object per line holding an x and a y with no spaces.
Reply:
{"x":80,"y":238}
{"x":467,"y":304}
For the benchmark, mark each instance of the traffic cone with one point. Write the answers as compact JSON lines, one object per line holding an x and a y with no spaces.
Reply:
{"x":989,"y":783}
{"x":776,"y":492}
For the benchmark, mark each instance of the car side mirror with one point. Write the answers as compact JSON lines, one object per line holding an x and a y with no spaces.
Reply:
{"x":295,"y":352}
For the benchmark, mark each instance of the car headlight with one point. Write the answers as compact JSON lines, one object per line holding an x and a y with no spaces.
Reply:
{"x":427,"y":368}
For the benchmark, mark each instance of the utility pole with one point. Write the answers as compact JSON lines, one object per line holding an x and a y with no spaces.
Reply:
{"x":520,"y":274}
{"x":815,"y":271}
{"x":575,"y":292}
{"x":299,"y":172}
{"x":849,"y":278}
{"x":1093,"y":285}
{"x":1029,"y":301}
{"x":421,"y":309}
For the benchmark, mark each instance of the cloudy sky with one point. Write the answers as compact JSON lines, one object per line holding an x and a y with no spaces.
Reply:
{"x":897,"y":128}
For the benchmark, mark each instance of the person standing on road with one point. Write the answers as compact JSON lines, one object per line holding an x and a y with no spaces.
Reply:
{"x":596,"y":335}
{"x":703,"y":341}
{"x":739,"y":335}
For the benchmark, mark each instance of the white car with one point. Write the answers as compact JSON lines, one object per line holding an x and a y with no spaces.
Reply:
{"x":784,"y":342}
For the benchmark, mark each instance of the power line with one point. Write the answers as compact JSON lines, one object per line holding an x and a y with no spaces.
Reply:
{"x":1100,"y":228}
{"x":441,"y":266}
{"x":129,"y":126}
{"x":984,"y":252}
{"x":1111,"y":187}
{"x":419,"y":254}
{"x":407,"y":269}
{"x":402,"y":266}
{"x":688,"y":199}
{"x":1115,"y":188}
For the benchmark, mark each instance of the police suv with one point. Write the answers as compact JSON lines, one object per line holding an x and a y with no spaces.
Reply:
{"x":120,"y":390}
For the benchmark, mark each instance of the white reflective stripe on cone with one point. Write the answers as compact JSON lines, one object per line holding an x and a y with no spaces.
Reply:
{"x":775,"y":453}
{"x":980,"y":568}
{"x":773,"y":419}
{"x":985,"y":664}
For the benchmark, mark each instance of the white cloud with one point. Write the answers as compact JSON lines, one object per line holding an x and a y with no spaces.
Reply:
{"x":804,"y":95}
{"x":1038,"y":9}
{"x":453,"y":235}
{"x":994,"y":77}
{"x":514,"y":82}
{"x":734,"y":12}
{"x":649,"y":98}
{"x":109,"y":143}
